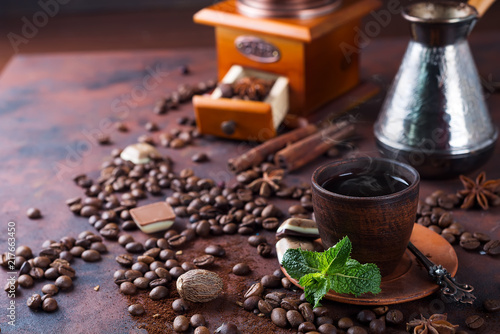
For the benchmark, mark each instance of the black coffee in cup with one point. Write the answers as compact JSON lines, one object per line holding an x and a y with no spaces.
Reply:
{"x":374,"y":183}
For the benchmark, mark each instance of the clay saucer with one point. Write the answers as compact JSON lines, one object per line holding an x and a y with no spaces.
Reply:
{"x":410,"y":280}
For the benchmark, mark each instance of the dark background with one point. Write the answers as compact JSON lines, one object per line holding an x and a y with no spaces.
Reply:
{"x":88,"y":25}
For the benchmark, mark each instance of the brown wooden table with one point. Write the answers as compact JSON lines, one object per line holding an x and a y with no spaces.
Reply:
{"x":50,"y":103}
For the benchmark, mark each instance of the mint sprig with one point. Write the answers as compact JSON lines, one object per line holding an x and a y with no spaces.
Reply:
{"x":333,"y":269}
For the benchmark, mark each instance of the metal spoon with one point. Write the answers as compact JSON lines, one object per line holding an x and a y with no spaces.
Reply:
{"x":451,"y":290}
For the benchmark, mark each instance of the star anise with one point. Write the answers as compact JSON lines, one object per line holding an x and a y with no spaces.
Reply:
{"x":481,"y":191}
{"x":436,"y":324}
{"x":268,"y":183}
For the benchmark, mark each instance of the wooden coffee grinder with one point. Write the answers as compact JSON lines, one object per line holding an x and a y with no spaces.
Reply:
{"x":304,"y":42}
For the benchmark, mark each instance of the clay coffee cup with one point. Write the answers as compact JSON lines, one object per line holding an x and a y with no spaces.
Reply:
{"x":373,"y":201}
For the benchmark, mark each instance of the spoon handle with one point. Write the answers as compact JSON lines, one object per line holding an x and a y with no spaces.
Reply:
{"x":451,"y":290}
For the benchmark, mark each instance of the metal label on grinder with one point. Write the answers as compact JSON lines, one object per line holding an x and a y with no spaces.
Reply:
{"x":257,"y":49}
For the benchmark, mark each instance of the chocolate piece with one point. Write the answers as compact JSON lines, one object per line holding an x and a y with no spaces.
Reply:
{"x":285,"y":243}
{"x":139,"y":153}
{"x":298,"y":227}
{"x":153,"y":217}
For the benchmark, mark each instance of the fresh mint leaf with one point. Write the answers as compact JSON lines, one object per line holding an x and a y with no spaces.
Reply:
{"x":336,"y":257}
{"x":318,"y":272}
{"x":357,"y":278}
{"x":315,"y":285}
{"x":298,"y":262}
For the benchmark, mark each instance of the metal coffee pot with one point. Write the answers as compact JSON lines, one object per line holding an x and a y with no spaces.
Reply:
{"x":434,"y":116}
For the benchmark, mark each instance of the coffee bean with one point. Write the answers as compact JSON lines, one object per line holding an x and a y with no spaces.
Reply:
{"x":25,"y":281}
{"x":132,"y":274}
{"x":64,"y":282}
{"x":197,"y":320}
{"x":181,"y":324}
{"x":270,"y":281}
{"x":180,"y":306}
{"x":255,"y":290}
{"x":66,"y":270}
{"x":176,"y":272}
{"x":37,"y":273}
{"x":306,"y":327}
{"x":189,"y":234}
{"x":177,"y":240}
{"x":142,"y":282}
{"x":307,"y":312}
{"x":274,"y":298}
{"x":289,"y":303}
{"x":34,"y":301}
{"x":482,"y":237}
{"x":286,"y":283}
{"x":66,"y":255}
{"x":377,"y":326}
{"x":91,"y":255}
{"x":128,"y":288}
{"x":327,"y":329}
{"x":230,"y":228}
{"x":33,"y":213}
{"x":110,"y":231}
{"x":241,"y":269}
{"x":227,"y":328}
{"x":294,"y":318}
{"x":356,"y":330}
{"x":203,"y":228}
{"x":474,"y":321}
{"x":199,"y":157}
{"x":136,"y":309}
{"x":201,"y":330}
{"x":215,"y":250}
{"x":394,"y":317}
{"x":159,"y":292}
{"x":140,"y":266}
{"x":129,"y":225}
{"x":204,"y":261}
{"x":270,"y":224}
{"x":187,"y":266}
{"x":51,"y":273}
{"x":24,"y":251}
{"x":264,"y":250}
{"x":98,"y":246}
{"x":134,"y":247}
{"x":125,"y":260}
{"x":491,"y":305}
{"x":159,"y":282}
{"x":49,"y":305}
{"x":278,"y":317}
{"x":470,"y":244}
{"x":324,"y":320}
{"x":146,"y":259}
{"x":41,"y":262}
{"x":88,"y":210}
{"x":264,"y":307}
{"x":448,"y":237}
{"x":366,"y":316}
{"x":445,"y":220}
{"x":251,"y":303}
{"x":492,"y":247}
{"x":50,"y":289}
{"x":345,"y":323}
{"x":25,"y":268}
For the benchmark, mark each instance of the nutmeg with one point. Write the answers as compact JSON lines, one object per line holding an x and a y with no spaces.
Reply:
{"x":199,"y":285}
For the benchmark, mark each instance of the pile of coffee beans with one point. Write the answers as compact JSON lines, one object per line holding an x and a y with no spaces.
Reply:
{"x":434,"y":213}
{"x":292,"y":311}
{"x":216,"y":210}
{"x":53,"y":263}
{"x":247,"y":88}
{"x":183,"y":94}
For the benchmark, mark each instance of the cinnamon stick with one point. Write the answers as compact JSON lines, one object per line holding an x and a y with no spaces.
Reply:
{"x":300,"y":153}
{"x":258,"y":154}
